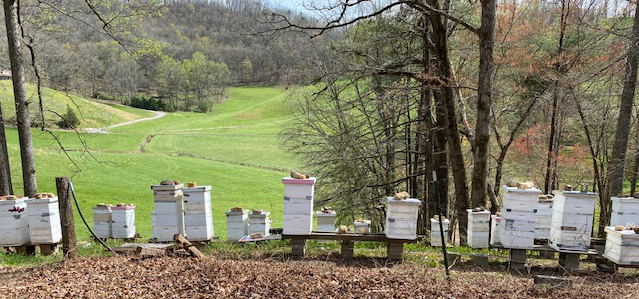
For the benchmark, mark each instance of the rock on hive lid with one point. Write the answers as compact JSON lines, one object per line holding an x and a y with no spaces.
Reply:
{"x":191,"y":184}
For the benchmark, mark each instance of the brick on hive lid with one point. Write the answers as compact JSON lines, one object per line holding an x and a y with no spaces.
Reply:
{"x":11,"y":197}
{"x":191,"y":184}
{"x":511,"y":184}
{"x":525,"y":185}
{"x":257,"y":211}
{"x":237,"y":209}
{"x":567,"y":187}
{"x":401,"y":195}
{"x":167,"y":183}
{"x":619,"y":227}
{"x":299,"y":176}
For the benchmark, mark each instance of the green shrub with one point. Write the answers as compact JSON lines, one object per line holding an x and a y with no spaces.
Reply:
{"x":69,"y":120}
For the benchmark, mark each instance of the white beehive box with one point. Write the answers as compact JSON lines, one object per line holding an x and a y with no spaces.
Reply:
{"x":517,"y":226}
{"x":102,"y":221}
{"x":298,"y":206}
{"x":325,"y":222}
{"x":494,"y":230}
{"x":237,"y":225}
{"x":572,"y":217}
{"x":544,"y":218}
{"x":362,"y":227}
{"x":259,"y":223}
{"x":435,"y":232}
{"x":401,"y":218}
{"x":198,"y":216}
{"x":622,"y":247}
{"x":123,"y":226}
{"x":624,"y":210}
{"x":44,"y":221}
{"x":478,"y":228}
{"x":167,"y":219}
{"x":14,"y":222}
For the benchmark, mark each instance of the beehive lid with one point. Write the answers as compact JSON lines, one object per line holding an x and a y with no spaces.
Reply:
{"x":124,"y":207}
{"x":4,"y":200}
{"x":576,"y":194}
{"x":517,"y":190}
{"x":408,"y":201}
{"x":167,"y":187}
{"x":625,"y":199}
{"x":480,"y":212}
{"x":41,"y":200}
{"x":260,"y":215}
{"x":197,"y":189}
{"x":292,"y":181}
{"x":322,"y":214}
{"x":362,"y":222}
{"x":244,"y":211}
{"x":435,"y":220}
{"x":102,"y":207}
{"x":626,"y":234}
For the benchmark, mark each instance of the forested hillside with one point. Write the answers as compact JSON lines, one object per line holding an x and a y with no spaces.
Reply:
{"x":173,"y":55}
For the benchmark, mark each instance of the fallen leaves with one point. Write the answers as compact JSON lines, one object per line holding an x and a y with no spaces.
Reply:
{"x":170,"y":277}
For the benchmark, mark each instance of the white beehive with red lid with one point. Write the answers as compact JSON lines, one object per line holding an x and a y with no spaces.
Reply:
{"x":572,"y":220}
{"x":102,"y":221}
{"x":44,"y":220}
{"x":14,"y":228}
{"x":401,"y":218}
{"x":478,"y":228}
{"x":198,"y":216}
{"x":167,"y":219}
{"x":123,"y":226}
{"x":298,"y":205}
{"x":624,"y":210}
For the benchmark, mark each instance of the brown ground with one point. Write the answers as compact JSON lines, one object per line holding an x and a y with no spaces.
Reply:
{"x":169,"y":277}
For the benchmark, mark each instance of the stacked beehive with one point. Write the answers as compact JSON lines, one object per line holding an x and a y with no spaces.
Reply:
{"x":622,"y":246}
{"x":167,"y":219}
{"x":14,"y":228}
{"x":298,"y":205}
{"x":435,"y":232}
{"x":401,"y":218}
{"x":102,"y":221}
{"x":326,"y":220}
{"x":44,"y":219}
{"x":259,"y":223}
{"x":123,"y":217}
{"x":362,"y":227}
{"x":478,"y":227}
{"x":517,"y":226}
{"x":624,"y":210}
{"x":494,"y":229}
{"x":198,"y":216}
{"x":237,"y":224}
{"x":572,"y":216}
{"x":544,"y":217}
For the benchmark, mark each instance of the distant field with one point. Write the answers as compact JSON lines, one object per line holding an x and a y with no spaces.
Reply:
{"x":235,"y":149}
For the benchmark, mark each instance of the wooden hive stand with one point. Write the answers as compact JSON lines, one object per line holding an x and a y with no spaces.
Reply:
{"x":347,"y":241}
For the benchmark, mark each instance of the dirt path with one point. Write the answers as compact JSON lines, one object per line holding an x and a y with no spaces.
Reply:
{"x":166,"y":277}
{"x":158,"y":114}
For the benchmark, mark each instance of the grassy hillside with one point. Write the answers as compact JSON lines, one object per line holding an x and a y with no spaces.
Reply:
{"x":235,"y":149}
{"x":92,"y":114}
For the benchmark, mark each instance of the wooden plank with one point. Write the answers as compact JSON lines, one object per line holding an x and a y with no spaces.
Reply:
{"x":349,"y":237}
{"x":149,"y":252}
{"x":69,"y":244}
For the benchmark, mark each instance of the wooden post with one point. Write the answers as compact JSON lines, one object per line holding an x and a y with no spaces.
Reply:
{"x":69,"y":245}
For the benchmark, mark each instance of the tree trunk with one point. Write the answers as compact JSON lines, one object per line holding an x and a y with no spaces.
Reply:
{"x":635,"y":169}
{"x":484,"y":102}
{"x":6,"y":187}
{"x":19,"y":90}
{"x":445,"y":95}
{"x":617,"y":165}
{"x":425,"y":131}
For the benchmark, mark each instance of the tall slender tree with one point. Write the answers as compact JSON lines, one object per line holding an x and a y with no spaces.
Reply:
{"x":11,"y":15}
{"x":6,"y":187}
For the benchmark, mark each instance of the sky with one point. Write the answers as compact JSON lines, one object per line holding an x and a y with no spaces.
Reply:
{"x":292,"y":4}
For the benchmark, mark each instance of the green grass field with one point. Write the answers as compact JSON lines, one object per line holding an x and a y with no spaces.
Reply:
{"x":235,"y":149}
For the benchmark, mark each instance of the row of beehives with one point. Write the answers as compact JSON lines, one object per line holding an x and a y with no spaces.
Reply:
{"x":32,"y":221}
{"x":401,"y":216}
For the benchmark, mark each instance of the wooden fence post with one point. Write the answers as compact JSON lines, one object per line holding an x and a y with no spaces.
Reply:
{"x":69,"y":246}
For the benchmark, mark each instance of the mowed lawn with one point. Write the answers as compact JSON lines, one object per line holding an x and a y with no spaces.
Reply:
{"x":236,"y":149}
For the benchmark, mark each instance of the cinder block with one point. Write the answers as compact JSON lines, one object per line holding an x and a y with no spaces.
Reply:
{"x":347,"y":250}
{"x":479,"y":259}
{"x":570,"y":261}
{"x":454,"y":258}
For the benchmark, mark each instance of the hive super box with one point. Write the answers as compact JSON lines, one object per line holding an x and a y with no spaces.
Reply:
{"x":401,"y":218}
{"x":298,"y":205}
